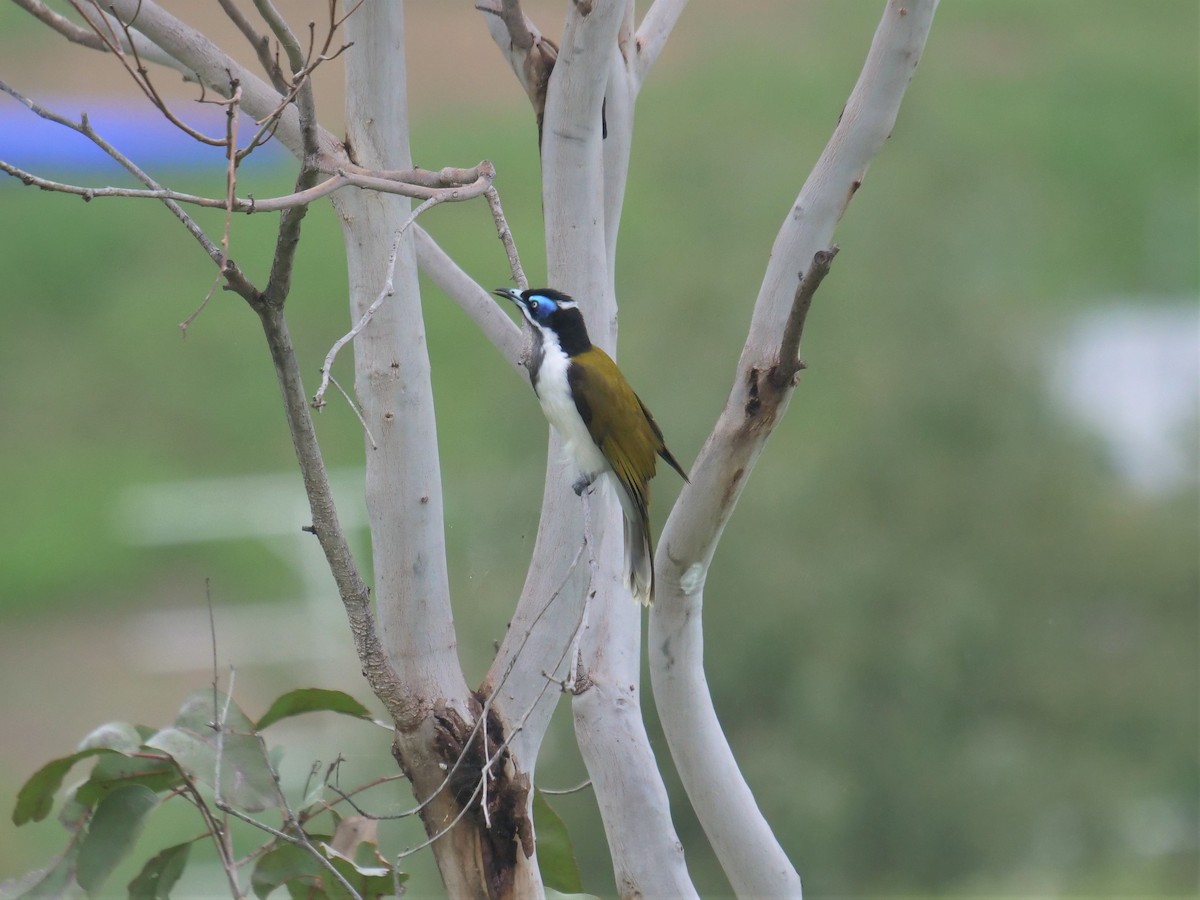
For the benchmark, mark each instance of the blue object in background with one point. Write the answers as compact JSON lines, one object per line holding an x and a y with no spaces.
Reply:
{"x":139,"y":131}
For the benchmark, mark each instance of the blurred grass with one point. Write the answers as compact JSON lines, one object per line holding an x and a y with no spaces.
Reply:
{"x":953,"y":652}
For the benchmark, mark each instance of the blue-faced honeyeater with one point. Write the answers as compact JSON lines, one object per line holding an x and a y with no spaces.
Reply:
{"x":602,"y":422}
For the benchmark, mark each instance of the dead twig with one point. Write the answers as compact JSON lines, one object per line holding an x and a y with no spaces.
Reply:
{"x":784,"y":373}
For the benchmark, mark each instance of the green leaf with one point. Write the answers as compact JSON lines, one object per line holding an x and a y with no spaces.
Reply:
{"x":159,"y":875}
{"x":119,"y":736}
{"x":306,"y":700}
{"x":114,"y":770}
{"x":36,"y":797}
{"x":291,"y":865}
{"x":556,"y":855}
{"x":247,"y":780}
{"x":198,"y":714}
{"x":114,"y":828}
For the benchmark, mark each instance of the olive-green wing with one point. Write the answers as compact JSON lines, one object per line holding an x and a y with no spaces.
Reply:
{"x":617,"y":422}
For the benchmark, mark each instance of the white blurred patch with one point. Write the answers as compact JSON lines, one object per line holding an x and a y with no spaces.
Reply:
{"x":1132,"y":374}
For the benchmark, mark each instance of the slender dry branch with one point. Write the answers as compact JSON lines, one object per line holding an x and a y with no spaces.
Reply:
{"x":260,"y":43}
{"x":137,"y":69}
{"x":353,"y":590}
{"x":790,"y":365}
{"x":506,"y":238}
{"x":233,"y":275}
{"x":64,"y":26}
{"x":249,"y":205}
{"x":231,"y":132}
{"x":302,"y":67}
{"x":749,"y":852}
{"x":387,"y":291}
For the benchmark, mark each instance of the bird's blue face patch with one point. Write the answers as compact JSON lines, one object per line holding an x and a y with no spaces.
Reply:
{"x":540,"y":306}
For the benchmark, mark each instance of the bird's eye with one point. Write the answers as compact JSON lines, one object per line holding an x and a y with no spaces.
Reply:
{"x":534,"y":306}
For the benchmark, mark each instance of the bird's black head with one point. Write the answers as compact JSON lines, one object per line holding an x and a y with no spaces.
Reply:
{"x":551,"y":311}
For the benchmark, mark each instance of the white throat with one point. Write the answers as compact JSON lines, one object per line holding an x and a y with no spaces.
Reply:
{"x":554,"y":393}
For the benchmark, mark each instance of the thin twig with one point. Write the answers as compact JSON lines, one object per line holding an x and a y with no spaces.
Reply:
{"x":248,"y":204}
{"x":260,"y":43}
{"x":583,"y":785}
{"x":231,"y":131}
{"x":212,"y":630}
{"x":139,"y":73}
{"x":357,"y":411}
{"x":506,"y":237}
{"x":216,"y":829}
{"x":388,"y":289}
{"x":219,"y":725}
{"x":790,"y":364}
{"x":572,"y":683}
{"x":64,"y":26}
{"x":195,"y":313}
{"x":233,"y":275}
{"x":301,"y":69}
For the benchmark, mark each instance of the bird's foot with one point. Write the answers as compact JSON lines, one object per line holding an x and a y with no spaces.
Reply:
{"x":582,"y":484}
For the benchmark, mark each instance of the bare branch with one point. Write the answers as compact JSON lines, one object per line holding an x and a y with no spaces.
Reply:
{"x":353,"y":590}
{"x":652,"y":35}
{"x":506,"y":238}
{"x":64,"y":26}
{"x":301,"y":69}
{"x":386,"y":291}
{"x":790,"y":364}
{"x":236,"y":279}
{"x":357,"y":411}
{"x":260,"y":43}
{"x":89,"y":38}
{"x":215,"y":69}
{"x":749,"y":853}
{"x":140,"y":74}
{"x":376,"y":182}
{"x":231,"y":130}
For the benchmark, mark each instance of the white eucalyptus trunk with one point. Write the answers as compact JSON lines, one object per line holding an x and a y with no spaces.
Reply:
{"x":749,"y":853}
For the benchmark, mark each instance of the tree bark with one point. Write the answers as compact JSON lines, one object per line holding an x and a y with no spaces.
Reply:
{"x":743,"y":841}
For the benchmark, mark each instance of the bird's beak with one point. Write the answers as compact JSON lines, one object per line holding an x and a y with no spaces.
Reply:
{"x":509,"y":294}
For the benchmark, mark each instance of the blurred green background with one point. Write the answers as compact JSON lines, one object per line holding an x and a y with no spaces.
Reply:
{"x":954,"y":621}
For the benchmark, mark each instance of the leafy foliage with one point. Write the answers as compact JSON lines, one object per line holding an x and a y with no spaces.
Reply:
{"x":305,"y":700}
{"x":160,"y":873}
{"x":215,"y":755}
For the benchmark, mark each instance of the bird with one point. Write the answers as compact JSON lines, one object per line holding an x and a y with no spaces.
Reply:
{"x":605,"y":427}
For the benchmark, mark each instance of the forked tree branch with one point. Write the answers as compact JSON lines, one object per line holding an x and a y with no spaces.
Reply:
{"x":259,"y":42}
{"x":249,"y":205}
{"x":579,"y":174}
{"x":749,"y":853}
{"x":215,"y":69}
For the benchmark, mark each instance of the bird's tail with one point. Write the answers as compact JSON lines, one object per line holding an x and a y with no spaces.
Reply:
{"x":639,"y":558}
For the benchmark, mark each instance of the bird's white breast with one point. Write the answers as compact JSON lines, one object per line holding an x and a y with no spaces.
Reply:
{"x":554,"y":393}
